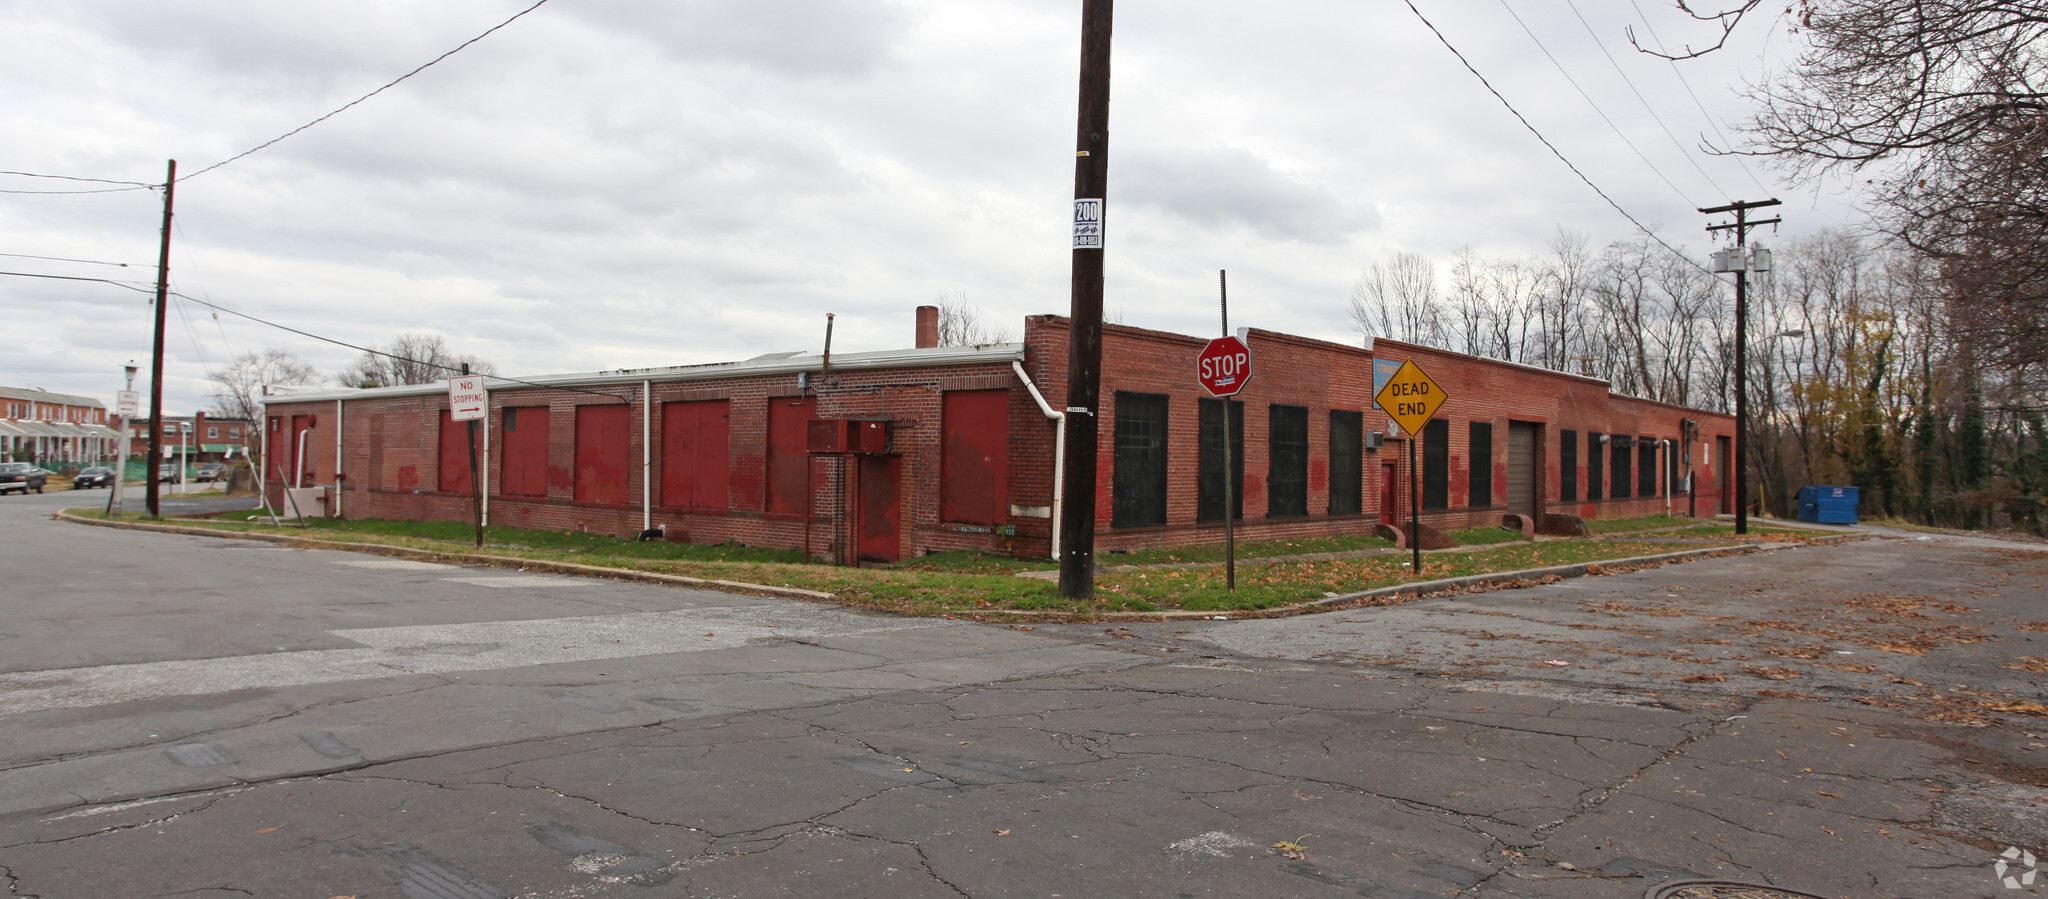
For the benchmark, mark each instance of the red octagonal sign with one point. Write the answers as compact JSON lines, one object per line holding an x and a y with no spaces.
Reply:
{"x":1224,"y":366}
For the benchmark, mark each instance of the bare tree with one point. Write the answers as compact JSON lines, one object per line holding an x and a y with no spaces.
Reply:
{"x":962,"y":325}
{"x":238,"y":386}
{"x":410,"y":358}
{"x":1399,"y":300}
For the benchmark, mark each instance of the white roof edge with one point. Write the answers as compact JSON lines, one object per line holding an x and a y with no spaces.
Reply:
{"x":760,"y":365}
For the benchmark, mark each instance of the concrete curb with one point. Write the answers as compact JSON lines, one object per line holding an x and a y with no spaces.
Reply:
{"x":627,"y":574}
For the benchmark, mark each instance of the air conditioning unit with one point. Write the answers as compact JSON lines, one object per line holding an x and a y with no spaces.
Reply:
{"x":1374,"y":440}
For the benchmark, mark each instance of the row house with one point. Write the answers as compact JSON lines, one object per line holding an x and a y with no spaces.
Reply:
{"x":54,"y":429}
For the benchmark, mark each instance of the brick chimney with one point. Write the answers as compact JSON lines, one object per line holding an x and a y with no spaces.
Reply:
{"x":927,"y":326}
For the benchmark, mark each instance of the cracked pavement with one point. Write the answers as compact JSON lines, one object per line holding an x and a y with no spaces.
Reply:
{"x":196,"y":717}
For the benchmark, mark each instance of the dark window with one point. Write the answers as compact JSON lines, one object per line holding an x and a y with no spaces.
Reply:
{"x":1347,"y":461}
{"x":1596,"y":476}
{"x":975,"y":456}
{"x":1209,"y":487}
{"x":524,"y":460}
{"x":693,"y":454}
{"x":1138,"y":482}
{"x":604,"y":452}
{"x":454,"y":455}
{"x":1623,"y":447}
{"x":1436,"y":464}
{"x":1480,"y":465}
{"x":1568,"y":466}
{"x":1646,"y":479}
{"x":1287,"y":466}
{"x":789,"y":455}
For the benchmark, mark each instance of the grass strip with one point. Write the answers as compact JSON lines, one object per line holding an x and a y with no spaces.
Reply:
{"x":944,"y":583}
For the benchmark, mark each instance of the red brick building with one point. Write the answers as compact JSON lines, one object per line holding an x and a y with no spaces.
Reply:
{"x":881,"y":455}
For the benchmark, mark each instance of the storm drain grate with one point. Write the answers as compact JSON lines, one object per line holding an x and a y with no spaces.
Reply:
{"x":1723,"y":889}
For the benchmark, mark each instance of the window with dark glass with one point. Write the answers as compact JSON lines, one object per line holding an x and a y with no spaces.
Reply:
{"x":1138,"y":482}
{"x":1623,"y":448}
{"x":1596,"y":475}
{"x":1287,"y":469}
{"x":1646,"y":479}
{"x":1480,"y":465}
{"x":1347,"y":462}
{"x":1568,"y":466}
{"x":1209,"y":486}
{"x":1436,"y":464}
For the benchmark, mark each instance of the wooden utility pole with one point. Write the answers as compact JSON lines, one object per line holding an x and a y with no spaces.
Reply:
{"x":156,"y":361}
{"x":1084,"y":347}
{"x":1741,"y":227}
{"x":476,"y":491}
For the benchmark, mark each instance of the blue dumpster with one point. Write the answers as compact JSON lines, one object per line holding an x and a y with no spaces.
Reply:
{"x":1827,"y":505}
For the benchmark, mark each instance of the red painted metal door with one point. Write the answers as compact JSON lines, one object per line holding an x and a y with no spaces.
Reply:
{"x":1390,"y":494}
{"x":881,"y":507}
{"x":974,"y":468}
{"x":789,"y":455}
{"x":693,"y":453}
{"x":604,"y":452}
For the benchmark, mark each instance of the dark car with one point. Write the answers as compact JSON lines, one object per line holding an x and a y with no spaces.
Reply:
{"x":210,"y":471}
{"x":22,"y":476}
{"x":93,"y":477}
{"x":170,"y":473}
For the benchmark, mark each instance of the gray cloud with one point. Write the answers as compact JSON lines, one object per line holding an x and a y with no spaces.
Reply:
{"x":1225,"y":186}
{"x":806,"y":38}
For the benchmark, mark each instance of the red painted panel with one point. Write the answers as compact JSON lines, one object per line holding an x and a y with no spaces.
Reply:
{"x":974,"y":472}
{"x":523,"y":462}
{"x":454,"y":474}
{"x":789,"y":456}
{"x":1390,"y":492}
{"x":694,"y":439}
{"x":881,"y":508}
{"x":604,"y":453}
{"x":280,"y":451}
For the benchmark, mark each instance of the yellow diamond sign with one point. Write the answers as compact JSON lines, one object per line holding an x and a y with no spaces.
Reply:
{"x":1410,"y":398}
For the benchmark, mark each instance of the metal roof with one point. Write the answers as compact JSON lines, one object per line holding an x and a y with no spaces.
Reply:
{"x":44,"y":396}
{"x":771,"y":363}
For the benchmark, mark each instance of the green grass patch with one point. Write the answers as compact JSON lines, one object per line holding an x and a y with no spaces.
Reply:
{"x":1485,"y":536}
{"x":962,"y":583}
{"x":1727,"y":531}
{"x":1265,"y":550}
{"x":1646,"y":523}
{"x":1264,"y":586}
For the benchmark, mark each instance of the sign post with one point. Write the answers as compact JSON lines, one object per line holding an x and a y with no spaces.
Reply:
{"x":1223,"y":368}
{"x":467,"y":402}
{"x":1411,"y":398}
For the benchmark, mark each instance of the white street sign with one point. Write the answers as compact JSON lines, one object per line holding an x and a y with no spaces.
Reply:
{"x":126,"y":402}
{"x":467,"y":398}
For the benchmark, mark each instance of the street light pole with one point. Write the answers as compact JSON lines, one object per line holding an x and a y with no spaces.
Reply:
{"x":123,"y":423}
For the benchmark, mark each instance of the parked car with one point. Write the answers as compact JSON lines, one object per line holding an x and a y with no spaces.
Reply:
{"x":210,"y":471}
{"x":22,"y":476}
{"x":93,"y":477}
{"x":170,"y":473}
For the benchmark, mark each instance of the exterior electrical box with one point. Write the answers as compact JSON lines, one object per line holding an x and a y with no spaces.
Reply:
{"x":859,"y":436}
{"x":1375,"y":440}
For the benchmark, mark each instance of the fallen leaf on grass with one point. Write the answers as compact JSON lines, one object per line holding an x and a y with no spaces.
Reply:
{"x":1703,"y":678}
{"x":271,"y":829}
{"x":2030,"y":663}
{"x":2019,"y":707}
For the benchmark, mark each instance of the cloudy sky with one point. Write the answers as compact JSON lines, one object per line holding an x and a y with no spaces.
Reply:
{"x":624,"y":183}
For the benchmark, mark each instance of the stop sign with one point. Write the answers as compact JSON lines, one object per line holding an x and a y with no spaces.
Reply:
{"x":1224,"y":366}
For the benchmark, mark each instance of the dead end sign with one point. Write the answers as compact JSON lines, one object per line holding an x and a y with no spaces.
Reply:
{"x":1410,"y":397}
{"x":1224,"y":366}
{"x":467,"y":398}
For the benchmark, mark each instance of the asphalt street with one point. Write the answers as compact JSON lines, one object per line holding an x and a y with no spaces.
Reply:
{"x":197,"y":716}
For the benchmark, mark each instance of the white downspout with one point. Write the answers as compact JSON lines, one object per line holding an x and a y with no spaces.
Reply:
{"x":1059,"y":451}
{"x":646,"y":457}
{"x":483,"y":467}
{"x":338,"y":483}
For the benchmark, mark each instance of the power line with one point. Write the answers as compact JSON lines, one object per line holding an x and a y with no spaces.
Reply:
{"x":1554,"y":151}
{"x":1652,"y":110}
{"x":85,"y":261}
{"x":344,"y":107}
{"x":1711,"y":121}
{"x":1589,"y":102}
{"x":138,"y":185}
